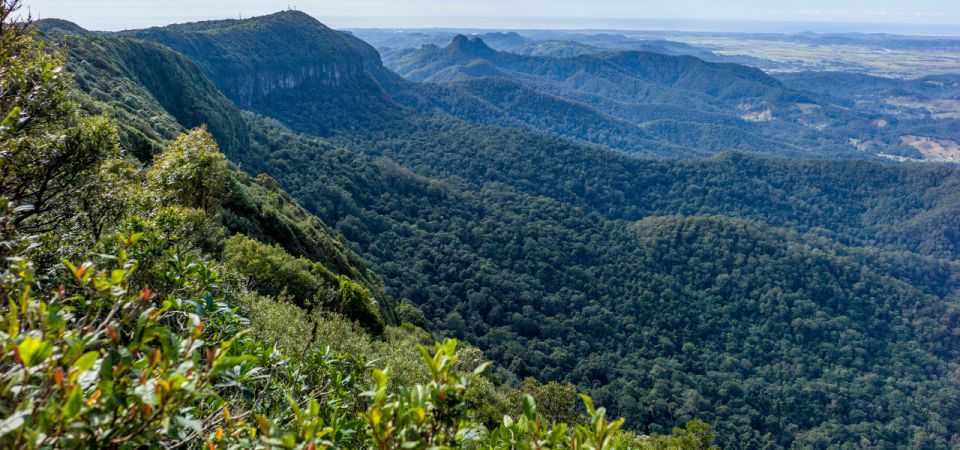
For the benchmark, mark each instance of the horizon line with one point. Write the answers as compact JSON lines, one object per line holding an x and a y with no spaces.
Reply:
{"x":955,"y":33}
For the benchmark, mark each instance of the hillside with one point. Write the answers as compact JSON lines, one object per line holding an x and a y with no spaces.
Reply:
{"x":137,"y":316}
{"x":929,"y":97}
{"x":516,"y":273}
{"x":142,"y":85}
{"x":621,"y":77}
{"x":646,"y":71}
{"x":790,"y":303}
{"x":154,"y":94}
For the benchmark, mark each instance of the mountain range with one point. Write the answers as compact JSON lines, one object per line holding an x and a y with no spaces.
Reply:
{"x":753,"y":268}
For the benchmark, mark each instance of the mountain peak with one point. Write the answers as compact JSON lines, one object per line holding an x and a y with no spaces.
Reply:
{"x":258,"y":56}
{"x":470,"y":46}
{"x":59,"y":26}
{"x":288,"y":19}
{"x":292,"y":15}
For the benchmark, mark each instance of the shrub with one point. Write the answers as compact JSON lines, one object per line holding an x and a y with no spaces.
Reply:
{"x":271,"y":270}
{"x":191,"y":172}
{"x":355,"y":302}
{"x":102,"y":362}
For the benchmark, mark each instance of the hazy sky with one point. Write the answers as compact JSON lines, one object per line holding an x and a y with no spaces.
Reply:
{"x":117,"y":14}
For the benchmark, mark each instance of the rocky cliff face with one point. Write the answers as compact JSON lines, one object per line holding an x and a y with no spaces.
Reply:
{"x":252,"y":59}
{"x":247,"y":88}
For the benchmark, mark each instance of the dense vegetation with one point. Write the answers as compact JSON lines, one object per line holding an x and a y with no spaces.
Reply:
{"x":130,"y":320}
{"x":540,"y":283}
{"x":788,"y":303}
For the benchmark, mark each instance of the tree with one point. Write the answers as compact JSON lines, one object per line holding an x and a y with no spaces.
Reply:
{"x":695,"y":435}
{"x":355,"y":302}
{"x":407,"y":313}
{"x":48,"y":151}
{"x":192,"y":171}
{"x":272,"y":271}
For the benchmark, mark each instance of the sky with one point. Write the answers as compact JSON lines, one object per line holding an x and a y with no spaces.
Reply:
{"x":909,"y":17}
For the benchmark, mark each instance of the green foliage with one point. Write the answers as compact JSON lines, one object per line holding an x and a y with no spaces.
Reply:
{"x":104,"y":363}
{"x":695,"y":434}
{"x":408,"y":313}
{"x":354,"y":301}
{"x":48,"y":150}
{"x":117,"y":181}
{"x":272,"y":271}
{"x":435,"y":415}
{"x":100,"y":352}
{"x":290,"y":328}
{"x":192,"y":172}
{"x":423,"y":417}
{"x":556,"y":402}
{"x":256,"y":208}
{"x":95,"y":364}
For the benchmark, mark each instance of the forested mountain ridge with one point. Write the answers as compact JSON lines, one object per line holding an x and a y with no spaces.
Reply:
{"x":784,"y":301}
{"x":860,"y":86}
{"x":393,"y":43}
{"x":378,"y":98}
{"x":382,"y":100}
{"x":660,"y":70}
{"x":928,"y":97}
{"x":119,"y":75}
{"x":598,"y":80}
{"x":243,"y":71}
